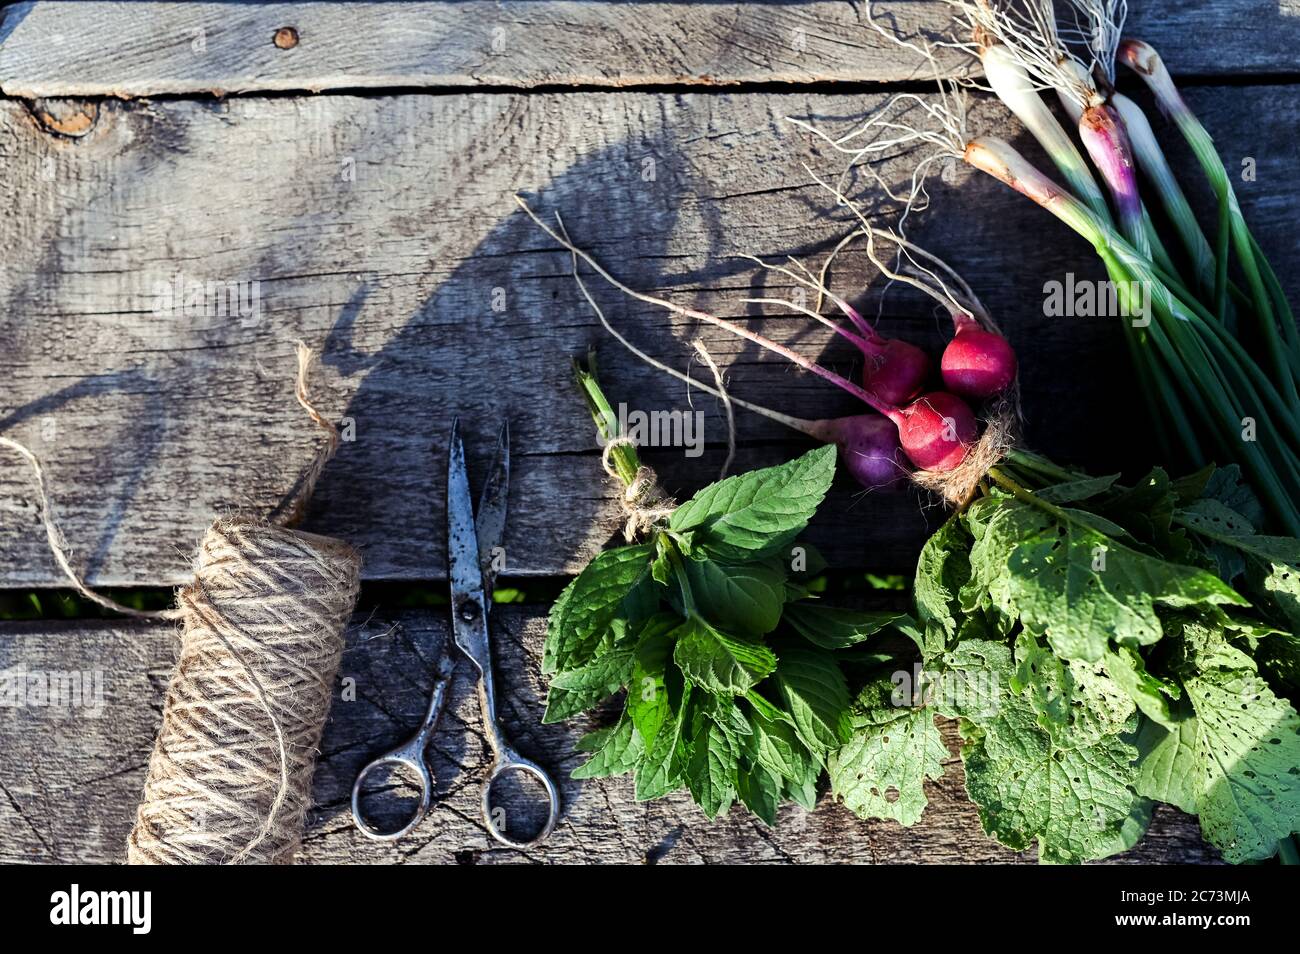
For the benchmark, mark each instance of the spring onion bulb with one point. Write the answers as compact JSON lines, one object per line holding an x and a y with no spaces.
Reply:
{"x":1108,"y":145}
{"x":1072,"y":107}
{"x":1011,"y":82}
{"x":998,"y":158}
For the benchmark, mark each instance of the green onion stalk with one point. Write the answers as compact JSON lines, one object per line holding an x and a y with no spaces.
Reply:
{"x":1271,"y":309}
{"x":1200,"y":373}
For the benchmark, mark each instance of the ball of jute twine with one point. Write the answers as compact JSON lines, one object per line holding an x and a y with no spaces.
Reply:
{"x":230,"y":775}
{"x":262,"y":625}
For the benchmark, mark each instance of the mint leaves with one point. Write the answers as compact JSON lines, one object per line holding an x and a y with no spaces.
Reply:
{"x":751,"y":515}
{"x":730,"y":682}
{"x":582,"y":615}
{"x":717,"y":662}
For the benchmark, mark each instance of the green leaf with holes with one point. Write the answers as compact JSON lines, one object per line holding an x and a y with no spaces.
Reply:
{"x":1233,"y":759}
{"x":1273,"y":562}
{"x":941,"y":571}
{"x":1076,"y":586}
{"x":881,"y":771}
{"x":1071,"y":795}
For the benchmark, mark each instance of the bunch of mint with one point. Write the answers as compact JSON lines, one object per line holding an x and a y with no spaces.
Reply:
{"x":1104,"y":648}
{"x":732,"y":684}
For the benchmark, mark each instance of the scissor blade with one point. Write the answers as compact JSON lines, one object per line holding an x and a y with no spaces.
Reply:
{"x":491,"y":520}
{"x":468,"y":605}
{"x":462,"y":538}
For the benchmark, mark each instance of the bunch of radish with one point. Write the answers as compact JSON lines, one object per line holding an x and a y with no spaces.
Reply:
{"x":933,"y":427}
{"x":913,"y":423}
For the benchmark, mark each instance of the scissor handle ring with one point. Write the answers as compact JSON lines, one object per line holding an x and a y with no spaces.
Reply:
{"x":417,"y":765}
{"x":514,"y":763}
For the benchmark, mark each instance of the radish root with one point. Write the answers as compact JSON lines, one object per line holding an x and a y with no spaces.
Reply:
{"x":702,"y":350}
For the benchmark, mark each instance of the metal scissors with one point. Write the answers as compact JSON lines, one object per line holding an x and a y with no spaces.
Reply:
{"x":472,"y":545}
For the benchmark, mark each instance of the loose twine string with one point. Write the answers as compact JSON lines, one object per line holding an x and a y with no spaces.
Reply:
{"x":262,"y":624}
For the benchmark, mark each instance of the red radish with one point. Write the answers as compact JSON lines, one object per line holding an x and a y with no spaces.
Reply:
{"x":936,"y":430}
{"x":977,"y":364}
{"x":895,"y":370}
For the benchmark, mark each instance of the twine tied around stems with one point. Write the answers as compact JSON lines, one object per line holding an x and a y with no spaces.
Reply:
{"x":643,"y":501}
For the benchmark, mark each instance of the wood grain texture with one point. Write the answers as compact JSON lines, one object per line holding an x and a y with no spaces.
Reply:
{"x":140,"y":49}
{"x":69,"y":781}
{"x":382,"y":230}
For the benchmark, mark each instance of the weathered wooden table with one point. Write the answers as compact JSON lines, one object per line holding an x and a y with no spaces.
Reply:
{"x":349,"y":182}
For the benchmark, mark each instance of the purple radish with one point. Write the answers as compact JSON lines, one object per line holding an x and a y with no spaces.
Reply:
{"x":868,"y":445}
{"x":977,"y":364}
{"x":896,"y":372}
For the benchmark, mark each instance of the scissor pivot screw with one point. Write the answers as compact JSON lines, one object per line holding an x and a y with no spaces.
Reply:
{"x":469,"y":611}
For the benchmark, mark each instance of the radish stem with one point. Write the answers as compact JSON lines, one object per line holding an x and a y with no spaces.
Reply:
{"x":794,"y":357}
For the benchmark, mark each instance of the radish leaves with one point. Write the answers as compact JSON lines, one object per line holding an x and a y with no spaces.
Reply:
{"x":893,"y":749}
{"x":1131,"y":646}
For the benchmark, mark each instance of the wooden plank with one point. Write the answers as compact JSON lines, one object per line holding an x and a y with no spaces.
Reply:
{"x":70,"y":780}
{"x":140,"y":49}
{"x":383,"y":229}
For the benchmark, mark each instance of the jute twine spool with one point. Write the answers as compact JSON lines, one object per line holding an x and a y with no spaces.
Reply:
{"x":230,"y":775}
{"x":262,"y":627}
